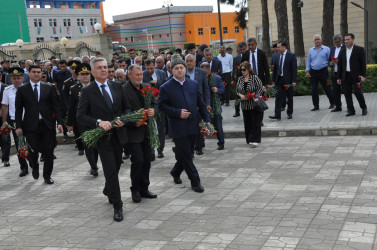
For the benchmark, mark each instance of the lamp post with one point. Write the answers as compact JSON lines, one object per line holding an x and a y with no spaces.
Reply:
{"x":19,"y":43}
{"x":365,"y":28}
{"x":169,"y":4}
{"x":209,"y":35}
{"x":64,"y":41}
{"x":146,"y":33}
{"x":97,"y":27}
{"x":221,"y":29}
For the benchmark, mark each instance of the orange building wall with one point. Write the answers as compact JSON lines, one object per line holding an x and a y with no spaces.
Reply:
{"x":194,"y":21}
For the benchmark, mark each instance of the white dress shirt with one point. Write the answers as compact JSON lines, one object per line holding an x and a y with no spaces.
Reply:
{"x":348,"y":54}
{"x":282,"y":62}
{"x":179,"y":80}
{"x":256,"y":59}
{"x":336,"y":54}
{"x":9,"y":99}
{"x":227,"y":62}
{"x":39,"y":92}
{"x":107,"y":88}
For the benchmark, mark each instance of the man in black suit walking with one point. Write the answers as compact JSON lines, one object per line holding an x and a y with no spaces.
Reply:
{"x":351,"y":72}
{"x":138,"y":136}
{"x":284,"y":73}
{"x":39,"y":102}
{"x":334,"y":54}
{"x":100,"y":103}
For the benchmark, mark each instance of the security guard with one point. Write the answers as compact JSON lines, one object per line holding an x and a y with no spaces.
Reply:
{"x":8,"y":111}
{"x":83,"y":73}
{"x":70,"y":81}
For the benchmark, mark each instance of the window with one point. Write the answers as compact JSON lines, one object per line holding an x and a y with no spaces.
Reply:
{"x":236,"y":29}
{"x":35,"y":22}
{"x":126,"y":39}
{"x":55,"y":38}
{"x":52,"y":22}
{"x":66,"y":22}
{"x":180,"y":33}
{"x":213,"y":30}
{"x":132,"y":39}
{"x":190,"y":32}
{"x":160,"y":35}
{"x":152,"y":36}
{"x":40,"y":39}
{"x":93,"y":21}
{"x":80,"y":21}
{"x":200,"y":31}
{"x":167,"y":34}
{"x":260,"y":36}
{"x":40,"y":22}
{"x":225,"y":30}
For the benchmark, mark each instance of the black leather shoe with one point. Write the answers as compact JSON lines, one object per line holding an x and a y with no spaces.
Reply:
{"x":136,"y":196}
{"x":49,"y":181}
{"x":282,"y":109}
{"x":236,"y":114}
{"x":314,"y":109}
{"x":289,"y":116}
{"x":54,"y":157}
{"x":220,"y":146}
{"x":81,"y":152}
{"x":153,"y":157}
{"x":160,"y":155}
{"x":148,"y":194}
{"x":24,"y":172}
{"x":94,"y":172}
{"x":6,"y":164}
{"x":198,"y":189}
{"x":35,"y":173}
{"x":118,"y":214}
{"x":350,"y":113}
{"x":336,"y":110}
{"x":275,"y":117}
{"x":199,"y":152}
{"x":364,"y":111}
{"x":176,"y":179}
{"x":332,"y":106}
{"x":65,"y":138}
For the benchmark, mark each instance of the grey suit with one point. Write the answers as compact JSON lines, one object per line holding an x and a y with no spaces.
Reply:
{"x":161,"y":78}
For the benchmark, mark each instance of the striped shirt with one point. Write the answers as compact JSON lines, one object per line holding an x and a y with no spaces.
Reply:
{"x":253,"y":86}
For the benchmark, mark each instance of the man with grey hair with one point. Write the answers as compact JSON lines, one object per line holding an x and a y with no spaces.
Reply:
{"x":160,"y":64}
{"x":200,"y":76}
{"x":336,"y":88}
{"x":101,"y":102}
{"x":85,"y":59}
{"x":316,"y":69}
{"x":227,"y":68}
{"x":168,"y":69}
{"x":120,"y":76}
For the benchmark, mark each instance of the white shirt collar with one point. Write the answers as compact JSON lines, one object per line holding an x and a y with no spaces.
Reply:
{"x":38,"y":83}
{"x":99,"y":84}
{"x":179,"y":80}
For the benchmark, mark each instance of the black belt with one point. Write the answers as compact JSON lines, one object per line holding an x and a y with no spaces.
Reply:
{"x":325,"y":68}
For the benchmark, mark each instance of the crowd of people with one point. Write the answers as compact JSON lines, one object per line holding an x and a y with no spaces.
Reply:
{"x":41,"y":98}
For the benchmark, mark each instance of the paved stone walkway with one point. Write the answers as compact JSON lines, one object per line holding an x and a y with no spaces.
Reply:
{"x":289,"y":193}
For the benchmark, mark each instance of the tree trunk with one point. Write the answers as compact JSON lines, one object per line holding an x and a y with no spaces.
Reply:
{"x":328,"y":22}
{"x":343,"y":17}
{"x":298,"y":33}
{"x":282,"y":20}
{"x":266,"y":28}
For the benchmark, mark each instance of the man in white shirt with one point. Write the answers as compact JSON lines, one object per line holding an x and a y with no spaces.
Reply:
{"x":227,"y":64}
{"x":334,"y":54}
{"x":8,"y":108}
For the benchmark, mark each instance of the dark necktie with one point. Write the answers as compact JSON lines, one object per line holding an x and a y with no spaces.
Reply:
{"x":253,"y":61}
{"x":36,"y":92}
{"x":106,"y":95}
{"x":281,"y":65}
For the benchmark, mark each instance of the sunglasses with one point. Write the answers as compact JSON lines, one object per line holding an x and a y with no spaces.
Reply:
{"x":243,"y":69}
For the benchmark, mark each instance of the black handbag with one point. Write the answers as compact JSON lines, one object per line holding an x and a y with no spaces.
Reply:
{"x":259,"y":104}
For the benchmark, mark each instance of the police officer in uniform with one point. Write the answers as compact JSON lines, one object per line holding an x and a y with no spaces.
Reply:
{"x":83,"y":73}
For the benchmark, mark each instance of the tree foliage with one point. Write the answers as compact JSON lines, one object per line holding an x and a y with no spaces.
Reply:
{"x":241,"y":15}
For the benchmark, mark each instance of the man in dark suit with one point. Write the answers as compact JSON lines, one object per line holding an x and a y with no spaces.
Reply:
{"x":138,"y":137}
{"x":156,"y":78}
{"x":160,"y":64}
{"x":284,"y":73}
{"x":333,"y":62}
{"x":214,"y":62}
{"x":180,"y":99}
{"x":241,"y":48}
{"x":83,"y":73}
{"x":200,"y":54}
{"x":101,"y":102}
{"x":198,"y":75}
{"x":351,"y":73}
{"x":131,"y":60}
{"x":37,"y":106}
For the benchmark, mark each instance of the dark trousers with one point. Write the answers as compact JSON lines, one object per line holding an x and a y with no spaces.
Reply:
{"x":79,"y":143}
{"x":140,"y":165}
{"x":42,"y":140}
{"x":237,"y":106}
{"x":336,"y":91}
{"x":227,"y":78}
{"x":126,"y":150}
{"x":252,"y":122}
{"x":5,"y":147}
{"x":110,"y":152}
{"x":161,"y":127}
{"x":92,"y":156}
{"x":23,"y":162}
{"x":281,"y":96}
{"x":183,"y":153}
{"x":218,"y":125}
{"x":320,"y":76}
{"x":199,"y":139}
{"x":348,"y":85}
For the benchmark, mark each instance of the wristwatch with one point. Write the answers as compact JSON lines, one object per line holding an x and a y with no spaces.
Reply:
{"x":98,"y":121}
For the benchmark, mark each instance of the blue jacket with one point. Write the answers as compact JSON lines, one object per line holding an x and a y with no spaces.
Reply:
{"x":219,"y":85}
{"x":289,"y":69}
{"x":201,"y":78}
{"x":161,"y":77}
{"x":173,"y":98}
{"x":216,"y":67}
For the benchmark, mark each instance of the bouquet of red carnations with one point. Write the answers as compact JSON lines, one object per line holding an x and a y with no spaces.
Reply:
{"x":23,"y":147}
{"x":148,"y":93}
{"x":6,"y":129}
{"x":216,"y":109}
{"x":91,"y":137}
{"x":207,"y":129}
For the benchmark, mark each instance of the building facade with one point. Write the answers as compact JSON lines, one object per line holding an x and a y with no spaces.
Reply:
{"x":54,"y":19}
{"x":13,"y":22}
{"x":312,"y":21}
